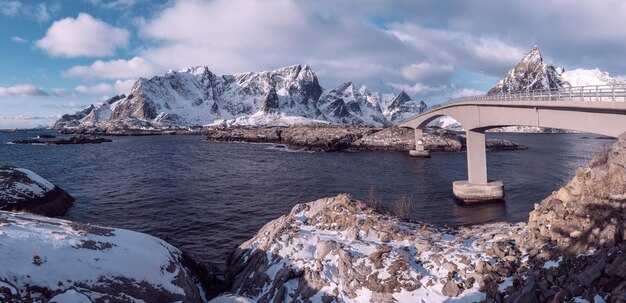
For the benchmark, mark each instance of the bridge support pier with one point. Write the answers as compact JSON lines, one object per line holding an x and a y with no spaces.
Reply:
{"x":477,"y":188}
{"x":419,"y":151}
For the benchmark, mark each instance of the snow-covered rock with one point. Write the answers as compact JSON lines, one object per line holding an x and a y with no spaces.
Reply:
{"x":447,"y":123}
{"x":196,"y":96}
{"x":339,"y":250}
{"x":24,"y":190}
{"x":53,"y":260}
{"x":346,"y":105}
{"x":531,"y":73}
{"x":401,"y":107}
{"x":88,"y":116}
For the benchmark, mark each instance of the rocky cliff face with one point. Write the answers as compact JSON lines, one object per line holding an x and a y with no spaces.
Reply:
{"x":23,"y":190}
{"x":196,"y":96}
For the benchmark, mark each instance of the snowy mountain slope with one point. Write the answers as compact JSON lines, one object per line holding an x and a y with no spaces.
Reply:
{"x":531,"y":73}
{"x":196,"y":96}
{"x":402,"y":107}
{"x":584,"y":77}
{"x":346,"y":105}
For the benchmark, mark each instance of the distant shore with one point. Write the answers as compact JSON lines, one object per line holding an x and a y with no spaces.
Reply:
{"x":321,"y":138}
{"x":349,"y":138}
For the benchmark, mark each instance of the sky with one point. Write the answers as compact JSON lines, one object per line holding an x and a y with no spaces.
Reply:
{"x":60,"y":56}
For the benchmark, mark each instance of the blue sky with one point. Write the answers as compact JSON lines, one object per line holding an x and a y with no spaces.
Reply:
{"x":60,"y":56}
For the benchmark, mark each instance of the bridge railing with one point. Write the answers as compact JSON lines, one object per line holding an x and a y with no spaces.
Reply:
{"x":590,"y":93}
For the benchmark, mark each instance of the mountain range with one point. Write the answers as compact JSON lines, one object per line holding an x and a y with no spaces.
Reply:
{"x":286,"y":96}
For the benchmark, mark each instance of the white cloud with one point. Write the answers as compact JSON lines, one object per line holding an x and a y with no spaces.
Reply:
{"x":466,"y":92}
{"x":84,"y":36}
{"x":123,"y":86}
{"x":114,"y":4}
{"x":114,"y":69}
{"x":97,"y":89}
{"x":66,"y":105}
{"x":18,"y":39}
{"x":233,"y":36}
{"x":418,"y":88}
{"x":22,"y":90}
{"x":40,"y":12}
{"x":29,"y":117}
{"x":459,"y":49}
{"x":10,"y":8}
{"x":62,"y":92}
{"x":427,"y":71}
{"x":347,"y":41}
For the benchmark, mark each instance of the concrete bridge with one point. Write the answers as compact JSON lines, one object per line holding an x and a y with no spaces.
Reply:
{"x":591,"y":109}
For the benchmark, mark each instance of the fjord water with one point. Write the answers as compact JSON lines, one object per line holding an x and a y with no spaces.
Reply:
{"x":208,"y":197}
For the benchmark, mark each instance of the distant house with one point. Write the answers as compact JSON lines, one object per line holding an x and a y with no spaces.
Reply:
{"x":195,"y":128}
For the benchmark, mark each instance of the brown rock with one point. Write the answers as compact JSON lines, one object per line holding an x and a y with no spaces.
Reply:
{"x":451,"y":289}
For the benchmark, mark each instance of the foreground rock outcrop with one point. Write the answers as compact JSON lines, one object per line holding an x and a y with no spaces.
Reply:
{"x":338,"y":138}
{"x":23,"y":190}
{"x":53,"y":260}
{"x":340,"y":250}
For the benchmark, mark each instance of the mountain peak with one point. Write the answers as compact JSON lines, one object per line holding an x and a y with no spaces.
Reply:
{"x":198,"y":70}
{"x":534,"y":55}
{"x":531,"y":73}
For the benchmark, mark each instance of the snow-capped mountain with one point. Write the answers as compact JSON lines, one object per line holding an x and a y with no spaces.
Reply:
{"x":584,"y":77}
{"x":196,"y":96}
{"x":531,"y":73}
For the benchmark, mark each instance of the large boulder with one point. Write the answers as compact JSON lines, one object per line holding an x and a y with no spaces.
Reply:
{"x":52,"y":260}
{"x":24,"y":190}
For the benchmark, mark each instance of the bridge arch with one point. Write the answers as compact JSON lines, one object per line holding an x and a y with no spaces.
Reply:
{"x":598,"y":110}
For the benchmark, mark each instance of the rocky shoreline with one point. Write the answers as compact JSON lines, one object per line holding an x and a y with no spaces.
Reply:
{"x":328,"y":138}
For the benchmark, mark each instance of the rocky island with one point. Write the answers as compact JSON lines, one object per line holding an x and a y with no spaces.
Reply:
{"x":80,"y":139}
{"x":330,"y":138}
